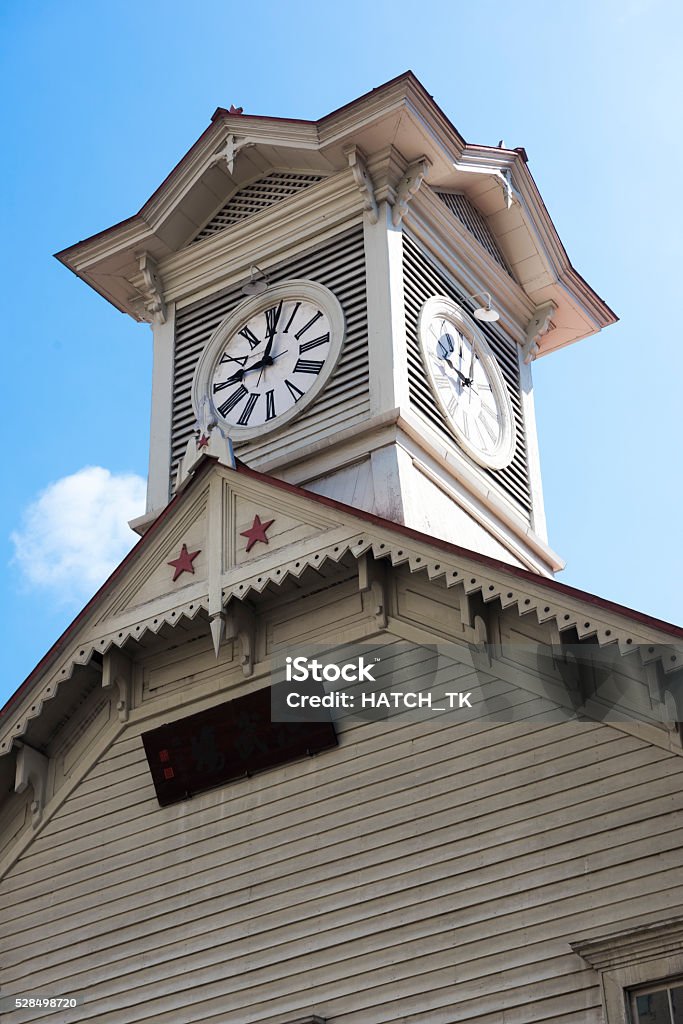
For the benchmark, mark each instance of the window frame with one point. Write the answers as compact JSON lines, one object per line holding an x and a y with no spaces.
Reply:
{"x":647,"y":956}
{"x":668,"y":985}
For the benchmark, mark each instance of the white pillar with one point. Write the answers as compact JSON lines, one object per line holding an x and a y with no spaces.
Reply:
{"x":158,"y":483}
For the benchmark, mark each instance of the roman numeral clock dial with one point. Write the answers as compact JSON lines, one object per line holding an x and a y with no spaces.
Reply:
{"x":467,"y":382}
{"x":270,"y":358}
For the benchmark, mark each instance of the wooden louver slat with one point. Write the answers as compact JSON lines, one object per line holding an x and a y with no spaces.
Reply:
{"x":469,"y":217}
{"x":257,"y":196}
{"x":340,"y":266}
{"x":422,"y":280}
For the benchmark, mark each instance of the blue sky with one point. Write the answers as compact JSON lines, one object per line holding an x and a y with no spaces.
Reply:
{"x":101,"y":100}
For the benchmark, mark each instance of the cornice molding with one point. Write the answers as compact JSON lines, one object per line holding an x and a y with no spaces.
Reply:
{"x":401,"y":113}
{"x":266,"y":238}
{"x":626,"y":948}
{"x":475,"y":270}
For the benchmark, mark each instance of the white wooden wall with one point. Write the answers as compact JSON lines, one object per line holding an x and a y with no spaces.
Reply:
{"x":419,"y":873}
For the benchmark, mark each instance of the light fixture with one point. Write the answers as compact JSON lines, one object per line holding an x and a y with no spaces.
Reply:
{"x":257,"y":283}
{"x":485,"y":312}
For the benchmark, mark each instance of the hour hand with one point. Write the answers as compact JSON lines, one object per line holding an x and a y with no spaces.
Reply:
{"x":465,"y":380}
{"x":258,"y":365}
{"x":229,"y":381}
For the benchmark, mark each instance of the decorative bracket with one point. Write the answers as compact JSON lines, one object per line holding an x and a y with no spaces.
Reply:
{"x":153,"y":296}
{"x":32,"y":771}
{"x":481,"y":640}
{"x":540,"y":324}
{"x":505,"y":178}
{"x":231,"y":149}
{"x":240,"y":624}
{"x":408,"y":187}
{"x":117,"y":671}
{"x":362,"y":178}
{"x":372,"y":579}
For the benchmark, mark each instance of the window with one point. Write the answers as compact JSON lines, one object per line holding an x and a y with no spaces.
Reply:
{"x":658,"y":1005}
{"x":640,"y":972}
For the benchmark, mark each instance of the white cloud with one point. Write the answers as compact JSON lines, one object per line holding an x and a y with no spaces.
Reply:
{"x":76,"y":531}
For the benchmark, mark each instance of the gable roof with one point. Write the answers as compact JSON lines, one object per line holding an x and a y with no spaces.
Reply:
{"x":139,"y":597}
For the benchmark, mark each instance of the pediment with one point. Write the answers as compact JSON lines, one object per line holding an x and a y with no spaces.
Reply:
{"x":255,"y":546}
{"x":223,"y":528}
{"x":252,"y":535}
{"x":265,"y":191}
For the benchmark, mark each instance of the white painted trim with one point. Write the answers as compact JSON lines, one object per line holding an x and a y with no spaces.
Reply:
{"x":426,"y":439}
{"x":519,"y":548}
{"x":647,"y":955}
{"x":158,"y":493}
{"x":465,"y":260}
{"x":385,"y":304}
{"x":526,"y":391}
{"x":271,"y":236}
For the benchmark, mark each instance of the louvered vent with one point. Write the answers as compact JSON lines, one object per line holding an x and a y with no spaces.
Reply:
{"x":340,"y":266}
{"x":421,"y":281}
{"x":257,"y":196}
{"x":469,"y":216}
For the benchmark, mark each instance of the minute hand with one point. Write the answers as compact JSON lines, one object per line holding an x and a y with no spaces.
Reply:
{"x":266,"y":353}
{"x":471,"y":373}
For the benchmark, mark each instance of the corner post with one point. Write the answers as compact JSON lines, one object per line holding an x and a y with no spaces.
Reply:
{"x":158,"y":480}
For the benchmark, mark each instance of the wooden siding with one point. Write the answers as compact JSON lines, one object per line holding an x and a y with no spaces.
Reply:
{"x":429,"y":872}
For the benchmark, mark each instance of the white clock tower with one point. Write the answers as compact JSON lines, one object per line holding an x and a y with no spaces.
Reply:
{"x":356,"y":303}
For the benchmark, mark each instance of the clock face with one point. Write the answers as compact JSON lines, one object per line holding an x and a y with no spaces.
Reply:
{"x":467,"y":383}
{"x":271,"y":357}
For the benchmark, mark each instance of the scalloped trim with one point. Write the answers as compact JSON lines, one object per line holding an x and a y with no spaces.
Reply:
{"x":564,"y":616}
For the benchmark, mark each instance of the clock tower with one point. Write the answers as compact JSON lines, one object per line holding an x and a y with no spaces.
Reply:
{"x":344,"y":482}
{"x":353,"y":305}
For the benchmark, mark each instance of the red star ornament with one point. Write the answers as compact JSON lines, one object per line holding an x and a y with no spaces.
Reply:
{"x":256,"y":532}
{"x":202,"y":442}
{"x":183,"y":563}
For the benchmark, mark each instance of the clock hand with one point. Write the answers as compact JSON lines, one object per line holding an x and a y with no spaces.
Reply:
{"x":466,"y":382}
{"x":255,"y":366}
{"x":272,"y":329}
{"x":267,"y":361}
